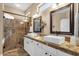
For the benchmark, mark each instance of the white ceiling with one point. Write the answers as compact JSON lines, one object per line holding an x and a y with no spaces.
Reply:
{"x":21,"y":7}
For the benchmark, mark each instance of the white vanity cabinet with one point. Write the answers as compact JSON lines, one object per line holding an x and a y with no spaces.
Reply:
{"x":35,"y":48}
{"x":29,"y":46}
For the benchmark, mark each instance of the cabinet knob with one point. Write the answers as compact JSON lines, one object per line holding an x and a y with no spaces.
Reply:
{"x":37,"y":43}
{"x":46,"y":53}
{"x":50,"y":55}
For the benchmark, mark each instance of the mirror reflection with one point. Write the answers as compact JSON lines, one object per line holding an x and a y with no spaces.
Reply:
{"x":61,"y":20}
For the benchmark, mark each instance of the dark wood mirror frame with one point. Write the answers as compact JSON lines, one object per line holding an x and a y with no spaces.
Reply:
{"x":71,"y":5}
{"x":38,"y":18}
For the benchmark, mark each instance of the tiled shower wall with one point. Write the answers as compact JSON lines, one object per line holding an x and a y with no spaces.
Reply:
{"x":1,"y":28}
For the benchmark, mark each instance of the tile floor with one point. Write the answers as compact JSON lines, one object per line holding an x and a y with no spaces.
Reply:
{"x":16,"y":52}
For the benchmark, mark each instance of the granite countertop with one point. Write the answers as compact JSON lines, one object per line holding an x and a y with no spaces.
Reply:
{"x":65,"y":47}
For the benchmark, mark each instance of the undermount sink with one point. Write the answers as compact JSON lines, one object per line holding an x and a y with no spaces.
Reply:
{"x":55,"y":39}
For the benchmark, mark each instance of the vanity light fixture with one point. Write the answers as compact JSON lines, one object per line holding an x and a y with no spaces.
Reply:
{"x":36,"y":15}
{"x":25,"y":20}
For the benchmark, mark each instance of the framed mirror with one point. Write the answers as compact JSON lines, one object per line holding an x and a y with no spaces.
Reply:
{"x":62,"y":20}
{"x":37,"y":24}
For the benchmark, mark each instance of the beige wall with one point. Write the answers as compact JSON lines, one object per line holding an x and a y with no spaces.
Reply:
{"x":46,"y":19}
{"x":1,"y":29}
{"x":32,"y":11}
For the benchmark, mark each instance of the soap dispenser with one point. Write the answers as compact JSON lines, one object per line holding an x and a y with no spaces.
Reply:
{"x":74,"y":41}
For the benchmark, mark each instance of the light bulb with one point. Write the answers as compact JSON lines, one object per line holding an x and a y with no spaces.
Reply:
{"x":25,"y":20}
{"x":36,"y":15}
{"x":21,"y":22}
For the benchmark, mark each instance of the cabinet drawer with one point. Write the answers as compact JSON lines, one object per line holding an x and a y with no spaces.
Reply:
{"x":44,"y":49}
{"x":50,"y":50}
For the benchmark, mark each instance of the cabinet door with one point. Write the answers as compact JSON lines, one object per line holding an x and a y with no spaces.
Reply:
{"x":31,"y":49}
{"x":28,"y":45}
{"x":38,"y":51}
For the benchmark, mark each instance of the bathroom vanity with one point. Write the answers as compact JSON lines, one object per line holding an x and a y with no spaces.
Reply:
{"x":37,"y":46}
